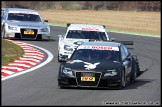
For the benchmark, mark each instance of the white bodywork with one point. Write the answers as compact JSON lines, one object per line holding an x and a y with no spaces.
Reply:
{"x":66,"y":46}
{"x":16,"y":23}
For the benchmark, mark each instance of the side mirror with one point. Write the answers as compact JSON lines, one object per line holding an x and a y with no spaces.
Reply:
{"x":128,"y":59}
{"x":112,"y":39}
{"x":61,"y":37}
{"x":46,"y":21}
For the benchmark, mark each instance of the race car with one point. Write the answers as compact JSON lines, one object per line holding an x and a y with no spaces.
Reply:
{"x":77,"y":34}
{"x":99,"y":65}
{"x":23,"y":24}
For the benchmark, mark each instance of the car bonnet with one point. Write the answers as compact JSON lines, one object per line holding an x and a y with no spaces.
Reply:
{"x":78,"y":65}
{"x":26,"y":24}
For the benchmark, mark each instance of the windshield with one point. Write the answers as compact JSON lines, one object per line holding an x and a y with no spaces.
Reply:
{"x":79,"y":34}
{"x":91,"y":54}
{"x":24,"y":17}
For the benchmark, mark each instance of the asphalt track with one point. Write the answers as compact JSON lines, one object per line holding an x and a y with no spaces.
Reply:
{"x":39,"y":87}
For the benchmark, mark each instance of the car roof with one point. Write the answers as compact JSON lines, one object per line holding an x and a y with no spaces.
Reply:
{"x":87,"y":27}
{"x":17,"y":10}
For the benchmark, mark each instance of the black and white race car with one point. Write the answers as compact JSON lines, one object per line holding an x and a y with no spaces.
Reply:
{"x":99,"y":64}
{"x":77,"y":34}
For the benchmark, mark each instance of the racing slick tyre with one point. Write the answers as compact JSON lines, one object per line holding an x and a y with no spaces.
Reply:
{"x":122,"y":83}
{"x":133,"y":75}
{"x":39,"y":37}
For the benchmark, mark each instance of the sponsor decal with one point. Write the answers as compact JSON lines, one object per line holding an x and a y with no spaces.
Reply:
{"x":90,"y":66}
{"x":99,"y":47}
{"x":91,"y":29}
{"x":30,"y":32}
{"x":102,"y":47}
{"x":87,"y":76}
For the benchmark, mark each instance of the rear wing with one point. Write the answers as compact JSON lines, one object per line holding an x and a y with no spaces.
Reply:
{"x":129,"y":44}
{"x":68,"y":24}
{"x":126,"y":42}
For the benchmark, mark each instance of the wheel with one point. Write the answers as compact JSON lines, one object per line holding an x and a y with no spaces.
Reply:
{"x":39,"y":37}
{"x":134,"y":73}
{"x":122,"y":83}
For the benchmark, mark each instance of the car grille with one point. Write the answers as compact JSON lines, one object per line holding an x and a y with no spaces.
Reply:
{"x":88,"y":83}
{"x":29,"y":35}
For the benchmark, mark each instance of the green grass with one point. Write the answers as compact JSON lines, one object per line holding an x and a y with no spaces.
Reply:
{"x":10,"y":52}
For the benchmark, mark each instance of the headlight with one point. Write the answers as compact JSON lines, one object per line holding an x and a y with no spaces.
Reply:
{"x":44,"y":30}
{"x":111,"y":73}
{"x":67,"y":71}
{"x":68,"y":48}
{"x":12,"y":28}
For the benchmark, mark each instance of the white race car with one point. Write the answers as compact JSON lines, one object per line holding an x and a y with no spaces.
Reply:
{"x":23,"y":24}
{"x":77,"y":34}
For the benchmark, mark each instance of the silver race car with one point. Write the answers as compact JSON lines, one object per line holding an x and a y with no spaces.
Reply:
{"x":23,"y":24}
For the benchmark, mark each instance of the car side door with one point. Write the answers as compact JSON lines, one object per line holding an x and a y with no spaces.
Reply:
{"x":126,"y":59}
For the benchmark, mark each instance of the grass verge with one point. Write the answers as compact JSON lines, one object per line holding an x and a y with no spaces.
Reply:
{"x":10,"y":52}
{"x":130,"y":21}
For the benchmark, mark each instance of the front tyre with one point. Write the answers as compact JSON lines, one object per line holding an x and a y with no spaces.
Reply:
{"x":133,"y":74}
{"x":122,"y":83}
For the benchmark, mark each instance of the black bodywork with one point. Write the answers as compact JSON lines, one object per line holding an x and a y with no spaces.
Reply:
{"x":127,"y":71}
